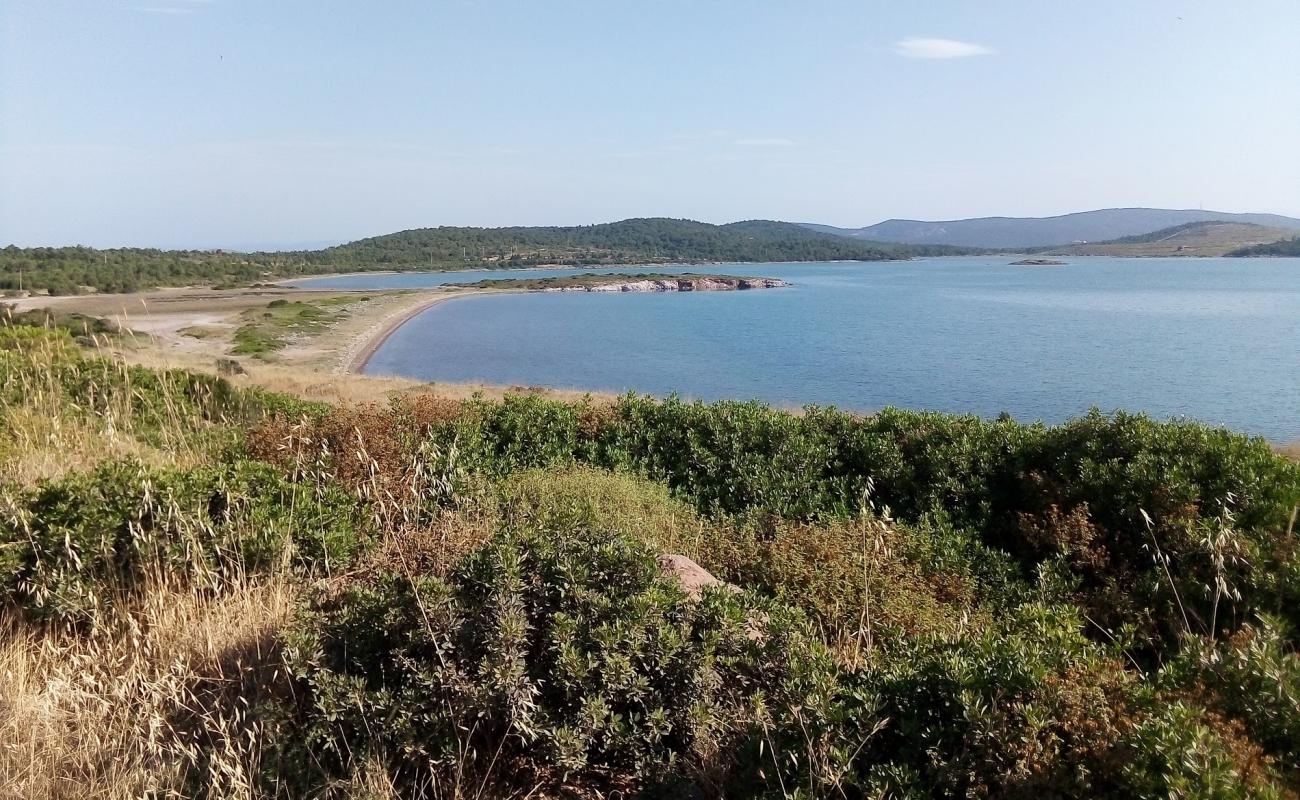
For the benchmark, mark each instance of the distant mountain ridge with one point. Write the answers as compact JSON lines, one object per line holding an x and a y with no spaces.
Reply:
{"x":1019,"y":232}
{"x":1191,"y":239}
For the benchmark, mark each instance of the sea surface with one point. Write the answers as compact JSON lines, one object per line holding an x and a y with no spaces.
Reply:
{"x":1216,"y":340}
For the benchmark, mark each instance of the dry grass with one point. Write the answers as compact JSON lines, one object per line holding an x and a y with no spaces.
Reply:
{"x":335,"y":388}
{"x":157,"y":699}
{"x":36,"y":446}
{"x":1291,"y":451}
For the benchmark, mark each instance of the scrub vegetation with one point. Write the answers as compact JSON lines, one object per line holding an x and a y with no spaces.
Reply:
{"x":218,"y":592}
{"x":1289,"y":248}
{"x":264,"y":331}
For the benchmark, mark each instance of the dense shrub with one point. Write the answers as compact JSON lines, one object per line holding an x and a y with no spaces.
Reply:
{"x":927,"y":606}
{"x":567,"y":649}
{"x":1172,"y":751}
{"x":863,"y":580}
{"x":1254,"y":677}
{"x":1156,"y":529}
{"x":1023,"y":708}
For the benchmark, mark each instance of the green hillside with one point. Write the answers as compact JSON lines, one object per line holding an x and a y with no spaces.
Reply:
{"x":1206,"y":238}
{"x":1016,"y":233}
{"x":630,"y":241}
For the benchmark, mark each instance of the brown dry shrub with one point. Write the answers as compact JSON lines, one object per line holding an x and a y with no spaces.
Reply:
{"x":383,"y":455}
{"x":1072,"y":533}
{"x":435,"y":548}
{"x":853,"y":576}
{"x":594,"y":418}
{"x":1080,"y":715}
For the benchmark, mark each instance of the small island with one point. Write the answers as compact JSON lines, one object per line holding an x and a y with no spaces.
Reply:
{"x":1038,"y":262}
{"x":616,"y":282}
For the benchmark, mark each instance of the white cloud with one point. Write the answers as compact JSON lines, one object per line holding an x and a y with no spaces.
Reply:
{"x":774,"y":142}
{"x":921,"y":47}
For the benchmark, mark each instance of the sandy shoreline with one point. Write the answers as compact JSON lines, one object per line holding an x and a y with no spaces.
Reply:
{"x":193,"y":329}
{"x":361,"y":349}
{"x":364,"y":347}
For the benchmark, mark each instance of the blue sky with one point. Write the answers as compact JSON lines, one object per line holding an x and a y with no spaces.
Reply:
{"x":229,"y":123}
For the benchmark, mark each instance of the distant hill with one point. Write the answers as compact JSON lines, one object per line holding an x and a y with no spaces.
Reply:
{"x":1022,"y":232}
{"x":645,"y":240}
{"x":66,"y":270}
{"x":1191,"y":239}
{"x":1286,"y":247}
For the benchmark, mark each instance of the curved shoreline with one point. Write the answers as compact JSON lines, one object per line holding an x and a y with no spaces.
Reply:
{"x":369,"y":344}
{"x":355,"y":362}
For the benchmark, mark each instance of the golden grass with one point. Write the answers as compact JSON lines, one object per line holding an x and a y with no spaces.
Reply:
{"x":144,"y":705}
{"x":37,"y":446}
{"x":45,"y":436}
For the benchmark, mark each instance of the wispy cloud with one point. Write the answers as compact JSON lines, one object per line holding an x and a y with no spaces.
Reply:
{"x":921,"y":47}
{"x":770,"y":142}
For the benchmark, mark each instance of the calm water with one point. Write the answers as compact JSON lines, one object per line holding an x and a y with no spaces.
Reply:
{"x":1213,"y":339}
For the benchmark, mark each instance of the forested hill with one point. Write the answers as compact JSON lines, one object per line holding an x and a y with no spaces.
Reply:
{"x":649,"y":240}
{"x":1286,"y":247}
{"x":64,"y":270}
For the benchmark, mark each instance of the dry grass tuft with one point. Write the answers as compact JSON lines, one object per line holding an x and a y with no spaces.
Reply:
{"x":46,"y":435}
{"x":36,"y":445}
{"x":154,"y":702}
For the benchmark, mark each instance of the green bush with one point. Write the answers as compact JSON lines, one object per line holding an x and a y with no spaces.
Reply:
{"x":1163,"y":528}
{"x":1172,"y":753}
{"x":565,"y":647}
{"x":517,"y":433}
{"x":1027,"y":707}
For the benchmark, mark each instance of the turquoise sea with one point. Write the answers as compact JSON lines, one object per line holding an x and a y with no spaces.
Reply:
{"x":1217,"y":340}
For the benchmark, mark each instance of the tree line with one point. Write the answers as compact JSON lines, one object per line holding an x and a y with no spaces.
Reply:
{"x":70,"y":270}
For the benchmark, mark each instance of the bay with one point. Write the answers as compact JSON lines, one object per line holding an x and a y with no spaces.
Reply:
{"x":1216,"y":340}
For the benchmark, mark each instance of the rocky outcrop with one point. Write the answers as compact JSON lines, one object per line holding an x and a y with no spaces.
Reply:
{"x":1038,"y":262}
{"x":693,"y":578}
{"x":706,"y":284}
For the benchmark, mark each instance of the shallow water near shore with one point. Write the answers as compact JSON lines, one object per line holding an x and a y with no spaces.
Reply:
{"x":1216,"y":340}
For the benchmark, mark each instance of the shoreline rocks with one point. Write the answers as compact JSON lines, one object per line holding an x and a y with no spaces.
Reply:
{"x":710,"y":284}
